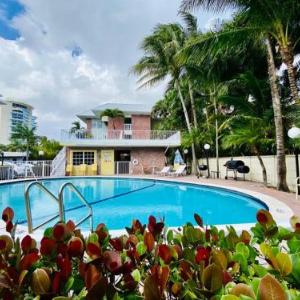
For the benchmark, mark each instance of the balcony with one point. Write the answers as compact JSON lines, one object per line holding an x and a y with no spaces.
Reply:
{"x":121,"y":138}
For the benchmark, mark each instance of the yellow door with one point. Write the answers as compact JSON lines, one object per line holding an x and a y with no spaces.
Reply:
{"x":107,"y":162}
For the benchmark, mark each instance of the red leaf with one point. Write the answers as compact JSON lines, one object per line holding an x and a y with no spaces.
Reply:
{"x":27,"y":261}
{"x":59,"y":231}
{"x":65,"y":268}
{"x":164,"y":253}
{"x":102,"y":232}
{"x":93,"y":250}
{"x":202,"y":254}
{"x":7,"y":214}
{"x":9,"y":226}
{"x":92,"y":276}
{"x":27,"y":243}
{"x":185,"y":270}
{"x":149,"y":241}
{"x":71,"y":225}
{"x":48,"y":246}
{"x":198,"y":220}
{"x":56,"y":283}
{"x":75,"y":247}
{"x":112,"y":260}
{"x":117,"y":244}
{"x":226,"y":277}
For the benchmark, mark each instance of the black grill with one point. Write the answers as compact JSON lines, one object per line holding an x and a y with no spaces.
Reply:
{"x":236,"y":166}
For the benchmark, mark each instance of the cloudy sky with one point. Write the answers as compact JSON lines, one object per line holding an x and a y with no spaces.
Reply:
{"x":66,"y":56}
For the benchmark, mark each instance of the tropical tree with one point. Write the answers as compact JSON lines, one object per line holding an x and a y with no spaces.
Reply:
{"x":76,"y":126}
{"x":50,"y":148}
{"x":245,"y":28}
{"x":112,"y":114}
{"x":26,"y":136}
{"x":160,"y":62}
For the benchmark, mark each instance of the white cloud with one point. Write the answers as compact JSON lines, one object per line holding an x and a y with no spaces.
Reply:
{"x":39,"y":67}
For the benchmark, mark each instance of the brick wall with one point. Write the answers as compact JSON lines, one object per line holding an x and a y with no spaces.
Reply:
{"x":148,"y":158}
{"x":88,"y":125}
{"x":141,"y":126}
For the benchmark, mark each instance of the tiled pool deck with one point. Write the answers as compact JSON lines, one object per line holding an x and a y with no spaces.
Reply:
{"x":287,"y":198}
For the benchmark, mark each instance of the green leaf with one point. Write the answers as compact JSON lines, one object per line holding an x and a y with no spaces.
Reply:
{"x":93,"y":238}
{"x":48,"y":232}
{"x":284,"y":263}
{"x":170,"y":236}
{"x":141,"y":248}
{"x":294,"y":245}
{"x":69,"y":284}
{"x":230,"y":297}
{"x":212,"y":277}
{"x":260,"y":270}
{"x":296,"y":266}
{"x":136,"y":275}
{"x":241,"y":259}
{"x":243,"y":249}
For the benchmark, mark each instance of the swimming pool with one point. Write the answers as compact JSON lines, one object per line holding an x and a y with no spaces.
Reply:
{"x":117,"y":201}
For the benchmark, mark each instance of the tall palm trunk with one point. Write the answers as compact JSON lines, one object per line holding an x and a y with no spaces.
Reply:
{"x":288,"y":58}
{"x":280,"y":151}
{"x":193,"y":106}
{"x":261,"y":162}
{"x":188,"y":124}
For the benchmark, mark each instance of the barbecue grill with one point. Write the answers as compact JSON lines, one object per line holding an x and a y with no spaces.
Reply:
{"x":237,"y":167}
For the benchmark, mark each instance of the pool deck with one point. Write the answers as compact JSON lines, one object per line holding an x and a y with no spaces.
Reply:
{"x":288,"y":198}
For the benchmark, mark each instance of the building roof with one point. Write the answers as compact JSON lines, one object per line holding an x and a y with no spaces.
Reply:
{"x":14,"y":154}
{"x":127,"y":108}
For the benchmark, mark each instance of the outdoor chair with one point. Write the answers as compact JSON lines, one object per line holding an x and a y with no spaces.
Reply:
{"x":164,"y":171}
{"x":297,"y":187}
{"x":181,"y":171}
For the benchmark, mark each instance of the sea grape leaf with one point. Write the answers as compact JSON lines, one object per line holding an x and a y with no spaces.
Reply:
{"x":212,"y":277}
{"x":220,"y":259}
{"x":271,"y":289}
{"x":294,"y":245}
{"x":243,"y":249}
{"x":296,"y":266}
{"x":151,"y":289}
{"x":284,"y":263}
{"x":242,"y":289}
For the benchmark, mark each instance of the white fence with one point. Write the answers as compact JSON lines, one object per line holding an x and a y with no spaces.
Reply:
{"x":255,"y":174}
{"x":28,"y":169}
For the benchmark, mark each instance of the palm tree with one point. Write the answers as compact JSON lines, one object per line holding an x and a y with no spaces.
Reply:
{"x":75,"y":127}
{"x":160,"y":61}
{"x":25,"y":135}
{"x":236,"y":35}
{"x":275,"y":18}
{"x":244,"y":133}
{"x":112,"y":114}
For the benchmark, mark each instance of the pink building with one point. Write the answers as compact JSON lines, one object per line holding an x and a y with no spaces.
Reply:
{"x":126,"y":145}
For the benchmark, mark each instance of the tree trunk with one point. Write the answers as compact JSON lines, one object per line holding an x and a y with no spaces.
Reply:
{"x":288,"y":59}
{"x":280,"y":150}
{"x":217,"y":133}
{"x":193,"y":106}
{"x":188,"y":124}
{"x":264,"y":171}
{"x":27,"y":151}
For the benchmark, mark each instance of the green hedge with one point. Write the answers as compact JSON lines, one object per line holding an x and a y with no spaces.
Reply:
{"x":152,"y":262}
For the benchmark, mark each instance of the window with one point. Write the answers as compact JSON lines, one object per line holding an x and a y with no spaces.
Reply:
{"x":84,"y":157}
{"x":77,"y":158}
{"x":89,"y":158}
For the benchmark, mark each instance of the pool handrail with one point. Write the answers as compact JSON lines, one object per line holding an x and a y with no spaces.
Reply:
{"x":60,"y":214}
{"x":81,"y":198}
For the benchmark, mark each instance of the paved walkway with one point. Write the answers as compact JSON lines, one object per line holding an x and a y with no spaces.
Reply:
{"x":287,"y":198}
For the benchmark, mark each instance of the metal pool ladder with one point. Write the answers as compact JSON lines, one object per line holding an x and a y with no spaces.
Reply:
{"x":59,"y":200}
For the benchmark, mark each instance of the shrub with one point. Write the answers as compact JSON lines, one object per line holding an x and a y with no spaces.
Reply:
{"x":151,"y":262}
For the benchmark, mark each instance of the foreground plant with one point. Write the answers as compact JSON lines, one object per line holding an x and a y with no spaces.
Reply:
{"x":152,"y":262}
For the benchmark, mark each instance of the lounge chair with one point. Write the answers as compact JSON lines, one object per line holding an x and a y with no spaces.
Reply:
{"x":164,"y":171}
{"x":181,"y":171}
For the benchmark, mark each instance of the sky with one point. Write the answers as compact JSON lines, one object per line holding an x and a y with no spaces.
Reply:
{"x":66,"y":56}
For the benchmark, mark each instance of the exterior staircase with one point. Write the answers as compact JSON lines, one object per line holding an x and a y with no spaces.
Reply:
{"x":59,"y":164}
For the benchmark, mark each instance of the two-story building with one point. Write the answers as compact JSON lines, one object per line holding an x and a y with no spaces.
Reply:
{"x":123,"y":145}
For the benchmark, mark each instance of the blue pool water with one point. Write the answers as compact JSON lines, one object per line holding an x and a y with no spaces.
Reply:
{"x":116,"y":202}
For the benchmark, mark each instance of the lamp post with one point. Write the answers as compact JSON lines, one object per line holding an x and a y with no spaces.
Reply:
{"x":206,"y":149}
{"x":294,"y":133}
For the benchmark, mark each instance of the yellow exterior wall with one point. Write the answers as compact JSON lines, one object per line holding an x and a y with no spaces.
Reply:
{"x":107,"y":162}
{"x":81,"y":170}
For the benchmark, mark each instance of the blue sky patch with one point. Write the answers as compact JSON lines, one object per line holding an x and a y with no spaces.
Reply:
{"x":8,"y":10}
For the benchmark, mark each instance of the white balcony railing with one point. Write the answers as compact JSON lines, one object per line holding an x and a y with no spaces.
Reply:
{"x":121,"y":137}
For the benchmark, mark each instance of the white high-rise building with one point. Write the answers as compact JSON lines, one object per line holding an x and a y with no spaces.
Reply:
{"x":13,"y":113}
